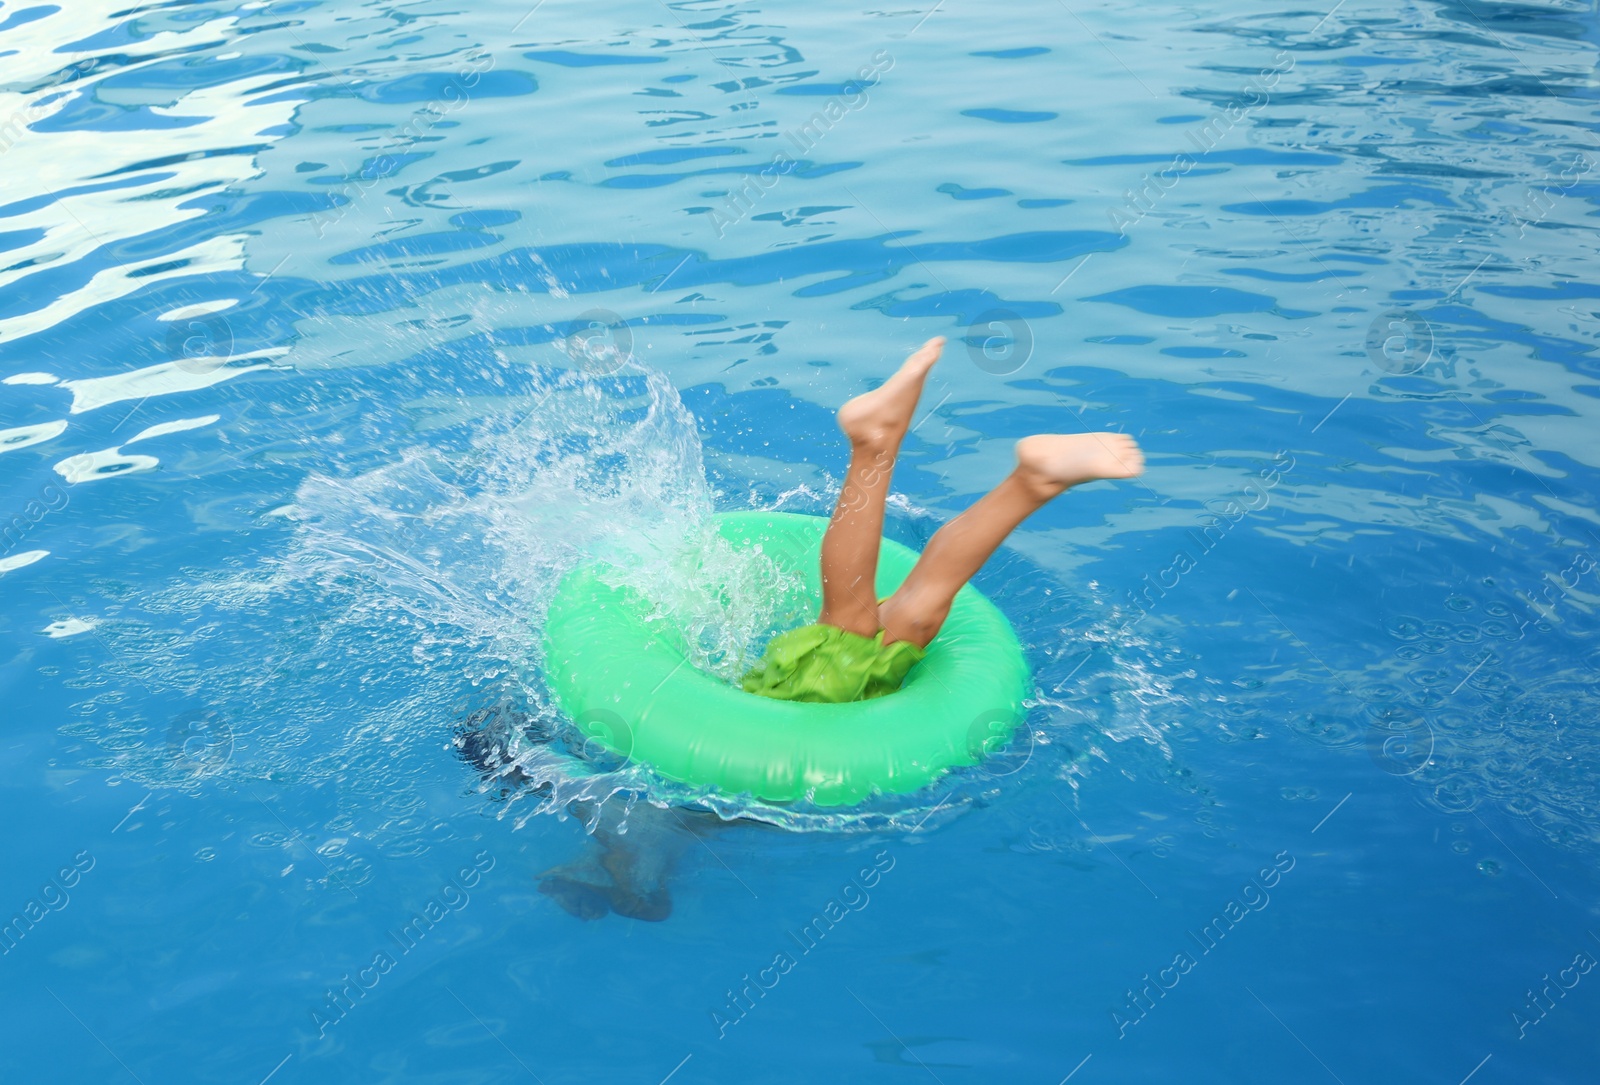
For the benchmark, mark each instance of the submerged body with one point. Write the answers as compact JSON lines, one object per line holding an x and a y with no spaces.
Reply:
{"x":631,"y":852}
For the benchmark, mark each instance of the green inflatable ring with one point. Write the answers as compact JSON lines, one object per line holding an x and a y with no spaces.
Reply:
{"x":628,"y":689}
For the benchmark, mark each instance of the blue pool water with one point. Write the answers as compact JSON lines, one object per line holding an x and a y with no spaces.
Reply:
{"x":331,"y":334}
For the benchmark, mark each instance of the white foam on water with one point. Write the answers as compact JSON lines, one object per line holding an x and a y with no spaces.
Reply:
{"x":19,"y":561}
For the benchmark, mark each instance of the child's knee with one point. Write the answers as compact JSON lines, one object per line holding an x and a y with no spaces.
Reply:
{"x":913,"y":617}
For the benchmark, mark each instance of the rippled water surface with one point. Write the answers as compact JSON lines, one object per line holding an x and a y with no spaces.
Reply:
{"x":333,"y":334}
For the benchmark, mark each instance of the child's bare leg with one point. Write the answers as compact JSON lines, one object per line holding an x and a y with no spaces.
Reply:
{"x":876,"y":423}
{"x":1047,"y":465}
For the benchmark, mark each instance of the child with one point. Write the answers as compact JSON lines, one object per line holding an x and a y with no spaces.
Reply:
{"x":860,"y":646}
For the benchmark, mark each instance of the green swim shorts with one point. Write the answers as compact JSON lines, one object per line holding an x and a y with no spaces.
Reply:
{"x":828,"y":665}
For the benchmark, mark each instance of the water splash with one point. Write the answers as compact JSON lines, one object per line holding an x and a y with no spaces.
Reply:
{"x":412,"y":597}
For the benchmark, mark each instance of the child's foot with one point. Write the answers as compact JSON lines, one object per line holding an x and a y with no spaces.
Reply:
{"x":880,"y":418}
{"x":1052,"y":462}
